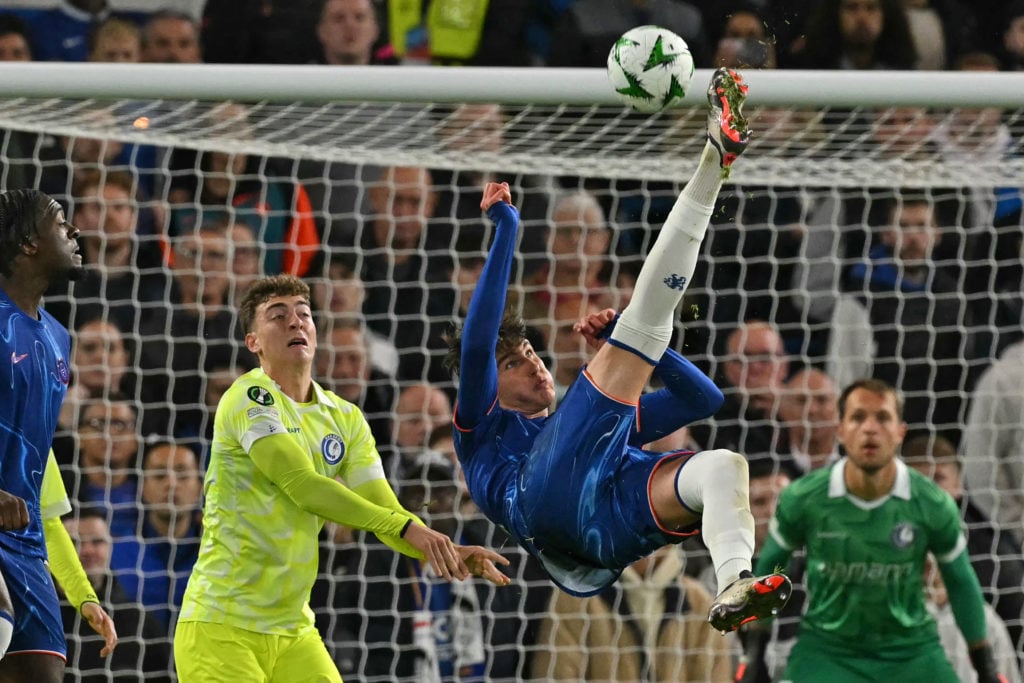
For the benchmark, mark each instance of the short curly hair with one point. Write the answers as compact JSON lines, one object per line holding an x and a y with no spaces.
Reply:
{"x":511,"y":335}
{"x":265,"y":289}
{"x":20,"y":214}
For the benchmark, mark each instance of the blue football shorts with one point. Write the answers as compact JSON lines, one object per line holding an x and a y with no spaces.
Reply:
{"x":38,"y":628}
{"x":584,"y":490}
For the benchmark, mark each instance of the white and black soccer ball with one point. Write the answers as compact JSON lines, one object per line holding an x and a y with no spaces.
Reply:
{"x":650,"y":68}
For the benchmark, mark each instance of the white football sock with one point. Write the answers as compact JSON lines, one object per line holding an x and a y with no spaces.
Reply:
{"x":716,"y":484}
{"x":645,"y":326}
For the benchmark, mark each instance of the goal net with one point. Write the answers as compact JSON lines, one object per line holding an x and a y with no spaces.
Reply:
{"x":875,"y":224}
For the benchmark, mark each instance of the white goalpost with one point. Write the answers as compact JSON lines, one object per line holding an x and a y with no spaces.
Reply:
{"x":289,"y":164}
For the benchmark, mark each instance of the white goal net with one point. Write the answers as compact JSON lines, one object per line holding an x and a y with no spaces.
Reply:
{"x":875,"y":223}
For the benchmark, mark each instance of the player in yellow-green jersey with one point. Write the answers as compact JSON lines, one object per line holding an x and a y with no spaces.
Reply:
{"x":281,"y":444}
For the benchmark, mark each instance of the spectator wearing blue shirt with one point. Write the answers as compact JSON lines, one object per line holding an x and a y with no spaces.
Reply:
{"x":153,"y":566}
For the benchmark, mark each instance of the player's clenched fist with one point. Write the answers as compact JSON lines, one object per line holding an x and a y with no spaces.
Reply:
{"x":13,"y":512}
{"x":494,"y":193}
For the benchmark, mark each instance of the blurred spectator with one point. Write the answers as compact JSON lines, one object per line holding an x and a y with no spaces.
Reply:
{"x":100,"y":365}
{"x":450,"y":32}
{"x":906,"y":133}
{"x":650,"y":625}
{"x":942,"y":30}
{"x":265,"y":32}
{"x":340,"y":294}
{"x":856,"y":34}
{"x":810,"y":412}
{"x":420,"y":409}
{"x":409,"y":298}
{"x":143,"y":645}
{"x":177,"y":336}
{"x":995,"y":555}
{"x":995,"y":280}
{"x":61,"y":33}
{"x":756,"y":231}
{"x":171,"y":37}
{"x":14,"y":39}
{"x":349,"y":34}
{"x":587,"y":30}
{"x":344,"y":367}
{"x":246,"y":258}
{"x":953,"y":641}
{"x":477,"y":130}
{"x":116,"y":40}
{"x":105,"y":473}
{"x":1013,"y":36}
{"x":568,"y":285}
{"x":993,"y":443}
{"x":744,"y":42}
{"x":902,"y":320}
{"x":17,"y":166}
{"x":123,"y":277}
{"x":154,"y":564}
{"x":752,"y":377}
{"x":219,"y":187}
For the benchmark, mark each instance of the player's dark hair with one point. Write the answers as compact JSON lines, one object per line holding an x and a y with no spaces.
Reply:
{"x":511,"y":334}
{"x":20,"y":213}
{"x":875,"y":386}
{"x":263,"y":290}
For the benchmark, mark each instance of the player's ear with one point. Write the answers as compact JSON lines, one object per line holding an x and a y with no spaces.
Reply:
{"x":252,"y":343}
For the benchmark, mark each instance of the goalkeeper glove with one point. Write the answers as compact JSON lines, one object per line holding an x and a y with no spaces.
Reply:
{"x":984,"y":663}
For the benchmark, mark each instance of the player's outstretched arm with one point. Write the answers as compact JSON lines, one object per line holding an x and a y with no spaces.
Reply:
{"x":438,"y":551}
{"x":478,"y":372}
{"x":968,"y":605}
{"x":476,"y":560}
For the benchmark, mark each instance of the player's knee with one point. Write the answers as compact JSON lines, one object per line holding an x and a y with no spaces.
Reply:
{"x":725,"y":461}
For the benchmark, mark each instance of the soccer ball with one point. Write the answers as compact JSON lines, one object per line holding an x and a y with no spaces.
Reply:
{"x":650,"y":68}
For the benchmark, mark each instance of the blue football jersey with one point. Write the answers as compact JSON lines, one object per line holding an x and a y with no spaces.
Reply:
{"x":34,"y":376}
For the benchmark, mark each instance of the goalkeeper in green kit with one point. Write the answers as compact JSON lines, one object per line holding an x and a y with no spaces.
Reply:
{"x":868,"y":523}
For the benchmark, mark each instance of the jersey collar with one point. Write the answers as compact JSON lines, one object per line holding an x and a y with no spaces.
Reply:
{"x":837,"y":482}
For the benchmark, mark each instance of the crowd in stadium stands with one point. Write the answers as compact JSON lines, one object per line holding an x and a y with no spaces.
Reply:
{"x":171,"y":238}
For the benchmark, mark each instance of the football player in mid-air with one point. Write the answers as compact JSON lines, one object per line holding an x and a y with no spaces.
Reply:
{"x":574,"y":487}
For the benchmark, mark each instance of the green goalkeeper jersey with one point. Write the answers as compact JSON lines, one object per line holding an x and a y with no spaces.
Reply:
{"x":258,"y":555}
{"x":865,"y":559}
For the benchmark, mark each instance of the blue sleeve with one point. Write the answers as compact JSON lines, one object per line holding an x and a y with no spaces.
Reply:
{"x":478,"y":371}
{"x":689,"y":395}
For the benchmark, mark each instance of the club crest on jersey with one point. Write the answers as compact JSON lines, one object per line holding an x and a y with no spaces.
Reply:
{"x":260,"y":395}
{"x":902,"y":535}
{"x":63,"y":372}
{"x":333,"y":449}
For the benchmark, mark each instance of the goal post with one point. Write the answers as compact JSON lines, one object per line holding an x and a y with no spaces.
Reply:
{"x":805,"y":212}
